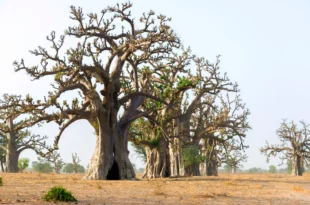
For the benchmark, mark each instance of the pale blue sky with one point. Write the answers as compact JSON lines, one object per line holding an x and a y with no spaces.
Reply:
{"x":265,"y":47}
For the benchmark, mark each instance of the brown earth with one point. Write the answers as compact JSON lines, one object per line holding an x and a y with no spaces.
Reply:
{"x":28,"y":188}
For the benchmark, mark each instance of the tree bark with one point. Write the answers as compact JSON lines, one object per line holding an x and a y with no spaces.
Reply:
{"x":157,"y":161}
{"x":121,"y":154}
{"x":102,"y":160}
{"x":12,"y":155}
{"x":176,"y":159}
{"x":2,"y":167}
{"x":296,"y":166}
{"x":234,"y":170}
{"x":208,"y":168}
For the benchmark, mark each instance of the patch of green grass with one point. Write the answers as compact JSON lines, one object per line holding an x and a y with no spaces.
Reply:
{"x":1,"y":183}
{"x":58,"y":193}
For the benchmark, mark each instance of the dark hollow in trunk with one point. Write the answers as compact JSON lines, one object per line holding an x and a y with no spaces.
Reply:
{"x":113,"y":173}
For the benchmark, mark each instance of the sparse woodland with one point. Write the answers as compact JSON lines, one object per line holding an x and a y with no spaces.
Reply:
{"x":134,"y":81}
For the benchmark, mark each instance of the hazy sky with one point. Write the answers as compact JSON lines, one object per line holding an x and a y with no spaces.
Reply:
{"x":265,"y":47}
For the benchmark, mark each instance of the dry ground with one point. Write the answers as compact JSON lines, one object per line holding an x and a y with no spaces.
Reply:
{"x":28,"y":188}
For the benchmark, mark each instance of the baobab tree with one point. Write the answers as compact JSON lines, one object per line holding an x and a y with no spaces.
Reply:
{"x":167,"y":130}
{"x":295,"y":146}
{"x":234,"y":159}
{"x":104,"y":88}
{"x":75,"y":161}
{"x":14,"y":135}
{"x":225,"y":123}
{"x":56,"y":162}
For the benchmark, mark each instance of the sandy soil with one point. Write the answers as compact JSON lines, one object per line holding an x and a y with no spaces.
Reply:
{"x":28,"y":188}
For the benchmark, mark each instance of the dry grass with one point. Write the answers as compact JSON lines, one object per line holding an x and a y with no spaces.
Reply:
{"x":27,"y":188}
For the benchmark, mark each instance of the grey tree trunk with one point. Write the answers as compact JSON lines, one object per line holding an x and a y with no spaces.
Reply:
{"x":102,"y":160}
{"x":110,"y":159}
{"x":208,"y":168}
{"x":12,"y":155}
{"x":176,"y":159}
{"x":296,"y":166}
{"x":234,"y":170}
{"x":157,"y":161}
{"x":212,"y":168}
{"x":121,"y":154}
{"x":2,"y":167}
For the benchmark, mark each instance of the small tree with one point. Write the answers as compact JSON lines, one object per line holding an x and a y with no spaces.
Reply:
{"x":56,"y":161}
{"x":42,"y":166}
{"x":227,"y":168}
{"x":234,"y":159}
{"x":272,"y":169}
{"x":75,"y":162}
{"x":68,"y":168}
{"x":14,"y":134}
{"x":295,"y":145}
{"x":23,"y":164}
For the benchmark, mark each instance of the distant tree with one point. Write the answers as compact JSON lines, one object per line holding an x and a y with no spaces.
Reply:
{"x":55,"y":160}
{"x":140,"y":170}
{"x":272,"y":169}
{"x":289,"y":166}
{"x":140,"y":151}
{"x":234,"y":159}
{"x":295,"y":145}
{"x":227,"y":168}
{"x":75,"y":161}
{"x":42,"y":166}
{"x":256,"y":170}
{"x":14,"y":134}
{"x":23,"y":164}
{"x":68,"y":168}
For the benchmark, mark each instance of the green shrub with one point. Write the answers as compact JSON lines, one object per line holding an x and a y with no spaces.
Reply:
{"x":1,"y":183}
{"x":58,"y":193}
{"x":191,"y":156}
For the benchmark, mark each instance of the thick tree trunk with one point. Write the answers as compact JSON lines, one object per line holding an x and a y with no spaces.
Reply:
{"x":157,"y":161}
{"x":121,"y":154}
{"x":102,"y":161}
{"x":176,"y":159}
{"x":208,"y":168}
{"x":296,"y":166}
{"x":234,"y":170}
{"x":2,"y":167}
{"x":12,"y":158}
{"x":212,"y":168}
{"x":12,"y":155}
{"x":110,"y":159}
{"x":210,"y":165}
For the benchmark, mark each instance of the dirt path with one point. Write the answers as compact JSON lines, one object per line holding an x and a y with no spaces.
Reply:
{"x":225,"y":189}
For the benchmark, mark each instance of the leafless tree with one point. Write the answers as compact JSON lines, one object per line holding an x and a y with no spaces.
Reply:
{"x":128,"y":46}
{"x":56,"y":161}
{"x":234,"y":159}
{"x":294,"y":147}
{"x":14,"y":135}
{"x":75,"y":161}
